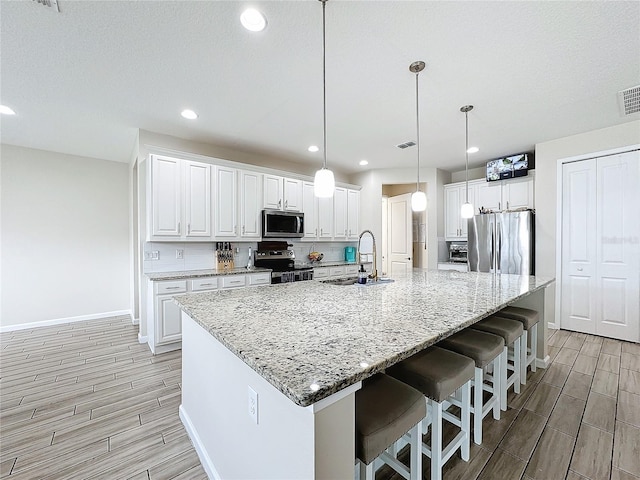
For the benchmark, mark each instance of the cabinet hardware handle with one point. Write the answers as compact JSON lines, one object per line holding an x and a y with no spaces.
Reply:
{"x":279,"y":203}
{"x":205,"y":284}
{"x":507,"y":205}
{"x":172,"y":288}
{"x":178,"y":228}
{"x":243,"y":229}
{"x":345,"y":233}
{"x":320,"y":232}
{"x":316,"y":234}
{"x":408,"y":258}
{"x":499,"y":206}
{"x":286,"y":204}
{"x":579,"y":269}
{"x":188,"y":228}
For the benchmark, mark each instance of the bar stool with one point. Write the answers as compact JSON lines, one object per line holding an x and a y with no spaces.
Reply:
{"x":511,"y":331}
{"x":439,"y":374}
{"x":485,"y":349}
{"x":529,"y":319}
{"x":386,"y":409}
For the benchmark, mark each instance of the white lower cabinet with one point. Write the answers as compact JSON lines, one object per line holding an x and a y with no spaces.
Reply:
{"x":164,"y":322}
{"x":336,"y":271}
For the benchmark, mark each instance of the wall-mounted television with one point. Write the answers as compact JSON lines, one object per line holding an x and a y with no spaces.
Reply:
{"x":508,"y":167}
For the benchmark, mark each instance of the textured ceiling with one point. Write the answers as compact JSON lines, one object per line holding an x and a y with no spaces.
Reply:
{"x":84,"y":80}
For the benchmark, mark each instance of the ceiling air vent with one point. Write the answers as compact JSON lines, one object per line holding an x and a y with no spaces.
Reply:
{"x":406,"y":145}
{"x":49,"y":3}
{"x":629,"y":100}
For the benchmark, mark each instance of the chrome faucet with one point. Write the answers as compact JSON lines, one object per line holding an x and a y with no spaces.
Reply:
{"x":374,"y":272}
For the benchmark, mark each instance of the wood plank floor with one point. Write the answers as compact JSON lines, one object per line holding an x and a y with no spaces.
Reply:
{"x":85,"y":400}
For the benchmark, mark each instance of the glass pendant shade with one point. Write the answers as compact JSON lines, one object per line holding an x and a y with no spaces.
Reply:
{"x":324,"y":184}
{"x":418,"y":201}
{"x":467,"y":210}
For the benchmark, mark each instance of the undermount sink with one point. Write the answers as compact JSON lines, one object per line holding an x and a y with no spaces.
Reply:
{"x":354,"y":280}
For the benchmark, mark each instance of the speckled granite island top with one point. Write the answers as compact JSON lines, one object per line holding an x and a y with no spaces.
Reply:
{"x":310,"y":339}
{"x":201,"y":273}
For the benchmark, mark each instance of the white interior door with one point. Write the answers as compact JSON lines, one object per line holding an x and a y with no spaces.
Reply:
{"x":601,"y":246}
{"x":618,"y":247}
{"x":385,"y":236}
{"x":400,"y":235}
{"x":579,"y":246}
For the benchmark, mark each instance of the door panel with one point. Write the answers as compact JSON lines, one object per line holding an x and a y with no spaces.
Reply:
{"x":400,"y":241}
{"x":198,"y":199}
{"x":578,"y":307}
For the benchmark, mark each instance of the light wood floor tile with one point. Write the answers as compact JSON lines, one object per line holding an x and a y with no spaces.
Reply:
{"x":502,"y":466}
{"x":600,"y":412}
{"x":585,"y":364}
{"x":559,"y":338}
{"x":557,"y":374}
{"x":630,"y":361}
{"x":605,"y":383}
{"x":567,"y":415}
{"x":566,"y":356}
{"x":198,"y":473}
{"x":633,"y":348}
{"x":578,"y":385}
{"x":617,"y":474}
{"x":456,"y":469}
{"x":174,"y":466}
{"x":543,"y":399}
{"x":553,"y":353}
{"x":612,"y":347}
{"x":590,"y":349}
{"x":7,"y":466}
{"x":550,"y":459}
{"x":523,"y":434}
{"x":594,"y":339}
{"x":592,"y":454}
{"x":609,"y":363}
{"x":574,"y":342}
{"x":630,"y":381}
{"x":574,"y":476}
{"x":626,"y":448}
{"x":628,"y":408}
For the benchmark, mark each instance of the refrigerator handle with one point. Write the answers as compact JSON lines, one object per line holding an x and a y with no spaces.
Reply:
{"x":493,"y":248}
{"x":498,"y":246}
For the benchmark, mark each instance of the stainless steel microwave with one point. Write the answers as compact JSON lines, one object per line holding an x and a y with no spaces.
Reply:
{"x":278,"y":224}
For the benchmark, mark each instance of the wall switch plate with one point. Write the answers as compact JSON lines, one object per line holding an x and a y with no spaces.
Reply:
{"x":179,"y":253}
{"x":253,"y":404}
{"x":153,"y":255}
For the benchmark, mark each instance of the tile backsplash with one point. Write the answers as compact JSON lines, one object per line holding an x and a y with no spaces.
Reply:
{"x":201,"y":255}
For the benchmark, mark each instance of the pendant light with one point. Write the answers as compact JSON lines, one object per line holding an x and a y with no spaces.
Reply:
{"x":467,"y":208}
{"x":324,"y":183}
{"x":418,"y":198}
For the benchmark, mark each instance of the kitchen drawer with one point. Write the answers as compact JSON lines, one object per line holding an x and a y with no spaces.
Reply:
{"x":233,"y":281}
{"x":260,"y":279}
{"x":333,"y":271}
{"x":351,"y":269}
{"x":176,"y":286}
{"x":207,"y":283}
{"x":319,"y":273}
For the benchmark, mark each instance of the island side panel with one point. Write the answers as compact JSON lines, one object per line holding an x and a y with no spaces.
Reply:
{"x":289,"y":441}
{"x":536,"y":301}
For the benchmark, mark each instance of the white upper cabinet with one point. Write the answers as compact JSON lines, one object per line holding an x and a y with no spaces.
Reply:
{"x":250,"y":204}
{"x":353,"y":214}
{"x":489,"y":196}
{"x":325,"y":218}
{"x":310,"y":209}
{"x":226,"y":217}
{"x":340,"y":214}
{"x":282,"y":193}
{"x":197,"y":195}
{"x":180,"y":199}
{"x":455,"y":195}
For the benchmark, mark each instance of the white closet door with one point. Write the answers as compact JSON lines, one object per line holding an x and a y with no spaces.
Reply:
{"x":618,"y":246}
{"x":578,"y":308}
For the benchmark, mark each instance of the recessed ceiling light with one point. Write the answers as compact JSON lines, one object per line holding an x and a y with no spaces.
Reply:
{"x":190,"y":114}
{"x":253,"y":20}
{"x":313,"y":148}
{"x":6,"y":110}
{"x":473,"y":150}
{"x":364,"y":162}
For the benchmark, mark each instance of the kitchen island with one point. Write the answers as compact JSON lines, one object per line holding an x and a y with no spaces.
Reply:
{"x":270,"y":375}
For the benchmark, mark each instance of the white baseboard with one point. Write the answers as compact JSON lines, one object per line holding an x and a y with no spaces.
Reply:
{"x":553,"y":326}
{"x":206,"y":462}
{"x":543,"y":363}
{"x":60,"y":321}
{"x":143,"y":338}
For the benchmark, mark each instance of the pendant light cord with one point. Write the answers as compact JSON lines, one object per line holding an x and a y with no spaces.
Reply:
{"x":324,"y":85}
{"x":466,"y":152}
{"x":417,"y":133}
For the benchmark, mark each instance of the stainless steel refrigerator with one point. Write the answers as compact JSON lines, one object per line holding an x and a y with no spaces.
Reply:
{"x":502,"y":243}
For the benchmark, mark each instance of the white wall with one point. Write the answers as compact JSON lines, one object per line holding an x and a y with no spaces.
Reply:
{"x":65,"y":237}
{"x":371,"y":206}
{"x":547,"y":156}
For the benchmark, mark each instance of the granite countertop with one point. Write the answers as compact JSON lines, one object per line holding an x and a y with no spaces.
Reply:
{"x":328,"y":263}
{"x":201,"y":273}
{"x":311,"y":339}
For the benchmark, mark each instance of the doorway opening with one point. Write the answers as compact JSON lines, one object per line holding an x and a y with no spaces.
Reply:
{"x":404,"y":232}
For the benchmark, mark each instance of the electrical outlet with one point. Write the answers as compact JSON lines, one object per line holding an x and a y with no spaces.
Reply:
{"x":253,"y":404}
{"x":179,"y":253}
{"x":153,"y":255}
